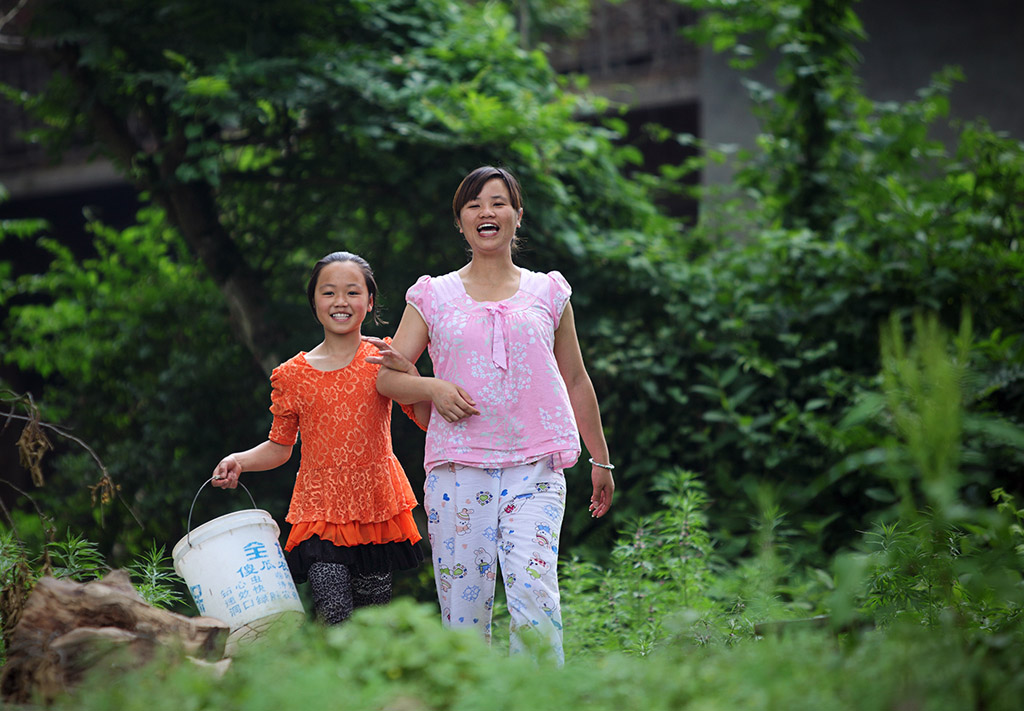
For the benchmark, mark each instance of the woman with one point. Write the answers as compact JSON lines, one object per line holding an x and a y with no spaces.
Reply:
{"x":510,"y":399}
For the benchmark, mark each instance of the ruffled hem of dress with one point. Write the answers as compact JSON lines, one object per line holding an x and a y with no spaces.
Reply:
{"x":368,"y":558}
{"x":356,"y":533}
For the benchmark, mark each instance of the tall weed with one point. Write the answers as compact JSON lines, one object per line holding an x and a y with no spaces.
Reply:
{"x":933,"y":558}
{"x":657,"y":585}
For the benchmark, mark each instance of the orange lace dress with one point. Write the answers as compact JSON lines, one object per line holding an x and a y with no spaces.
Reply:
{"x":352,"y":502}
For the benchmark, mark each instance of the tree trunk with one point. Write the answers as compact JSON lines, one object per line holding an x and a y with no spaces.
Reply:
{"x":190,"y":206}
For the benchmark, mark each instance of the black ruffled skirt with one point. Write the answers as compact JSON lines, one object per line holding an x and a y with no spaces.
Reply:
{"x":367,"y":558}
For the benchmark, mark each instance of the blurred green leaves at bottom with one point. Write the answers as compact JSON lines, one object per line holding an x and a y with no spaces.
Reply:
{"x":399,"y":658}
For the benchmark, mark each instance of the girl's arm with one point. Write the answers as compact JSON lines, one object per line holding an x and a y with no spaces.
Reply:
{"x":584,"y":406}
{"x":264,"y":456}
{"x":452,"y":402}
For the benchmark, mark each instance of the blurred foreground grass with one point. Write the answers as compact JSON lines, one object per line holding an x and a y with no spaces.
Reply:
{"x":399,"y":658}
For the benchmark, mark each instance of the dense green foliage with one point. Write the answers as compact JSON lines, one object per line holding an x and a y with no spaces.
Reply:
{"x":748,"y":356}
{"x":139,"y":329}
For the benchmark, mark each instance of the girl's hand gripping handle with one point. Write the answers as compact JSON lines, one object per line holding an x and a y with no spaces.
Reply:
{"x":226,"y":473}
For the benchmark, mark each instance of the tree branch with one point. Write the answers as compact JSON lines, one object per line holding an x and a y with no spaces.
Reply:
{"x":105,"y":489}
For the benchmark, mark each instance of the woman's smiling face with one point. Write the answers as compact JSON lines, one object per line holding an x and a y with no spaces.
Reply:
{"x":489,"y":220}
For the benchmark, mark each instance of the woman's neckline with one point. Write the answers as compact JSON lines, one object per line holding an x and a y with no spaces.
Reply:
{"x":519,"y":287}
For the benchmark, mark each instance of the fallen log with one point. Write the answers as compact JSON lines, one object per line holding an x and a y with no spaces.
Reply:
{"x":67,"y":629}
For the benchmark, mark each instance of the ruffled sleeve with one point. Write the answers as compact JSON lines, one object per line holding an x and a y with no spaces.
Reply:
{"x":558,"y":295}
{"x":420,"y":297}
{"x":285,"y":428}
{"x":411,"y":413}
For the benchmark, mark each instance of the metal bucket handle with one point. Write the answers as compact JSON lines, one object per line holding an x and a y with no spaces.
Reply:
{"x":188,"y":536}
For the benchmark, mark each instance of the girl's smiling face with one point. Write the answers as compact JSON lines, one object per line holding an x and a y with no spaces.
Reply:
{"x":489,"y":220}
{"x":342,"y":299}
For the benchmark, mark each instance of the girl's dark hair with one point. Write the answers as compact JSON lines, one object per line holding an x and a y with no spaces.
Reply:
{"x":473,"y":183}
{"x":364,"y":266}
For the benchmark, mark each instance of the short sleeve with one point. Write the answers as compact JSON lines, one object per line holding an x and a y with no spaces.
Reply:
{"x":285,"y":428}
{"x":410,"y":411}
{"x":421,"y":297}
{"x":559,"y":294}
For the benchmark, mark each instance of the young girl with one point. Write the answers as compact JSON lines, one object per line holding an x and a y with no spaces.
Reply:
{"x":351,"y":508}
{"x":511,"y":399}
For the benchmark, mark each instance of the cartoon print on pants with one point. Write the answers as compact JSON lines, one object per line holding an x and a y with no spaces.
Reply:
{"x":474,"y":538}
{"x":462,"y":525}
{"x":545,"y":536}
{"x":537,"y":566}
{"x":456,"y":571}
{"x":517,"y":503}
{"x":484,"y":563}
{"x":548,"y":605}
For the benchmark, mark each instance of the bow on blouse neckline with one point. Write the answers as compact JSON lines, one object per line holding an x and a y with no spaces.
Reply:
{"x":499,"y":332}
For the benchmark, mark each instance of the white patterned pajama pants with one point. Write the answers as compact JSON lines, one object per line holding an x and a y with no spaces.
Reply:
{"x":480,"y":520}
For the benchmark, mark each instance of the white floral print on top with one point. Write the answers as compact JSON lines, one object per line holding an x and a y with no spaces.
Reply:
{"x":502,"y":354}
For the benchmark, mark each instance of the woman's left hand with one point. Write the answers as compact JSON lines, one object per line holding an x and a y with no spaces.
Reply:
{"x":604,"y":488}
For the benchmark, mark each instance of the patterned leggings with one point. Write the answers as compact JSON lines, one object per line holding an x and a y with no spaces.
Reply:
{"x":336,"y":592}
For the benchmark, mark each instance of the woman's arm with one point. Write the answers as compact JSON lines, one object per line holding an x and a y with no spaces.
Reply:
{"x":388,"y":357}
{"x":264,"y":456}
{"x":585,"y":407}
{"x":452,"y":402}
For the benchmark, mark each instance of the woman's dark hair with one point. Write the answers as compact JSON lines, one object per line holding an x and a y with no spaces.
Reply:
{"x":364,"y":266}
{"x":473,"y":183}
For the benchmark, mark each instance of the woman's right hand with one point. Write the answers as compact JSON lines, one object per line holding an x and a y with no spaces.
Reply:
{"x":388,"y":357}
{"x":452,"y":402}
{"x":226,"y":473}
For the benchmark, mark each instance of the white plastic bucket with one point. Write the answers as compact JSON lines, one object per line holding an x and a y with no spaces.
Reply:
{"x":236,"y":572}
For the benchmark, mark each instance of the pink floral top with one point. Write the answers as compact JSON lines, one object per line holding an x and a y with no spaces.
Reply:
{"x":502,"y":354}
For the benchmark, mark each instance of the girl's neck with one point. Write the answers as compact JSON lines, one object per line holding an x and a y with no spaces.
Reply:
{"x":335,"y":351}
